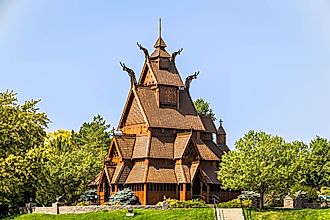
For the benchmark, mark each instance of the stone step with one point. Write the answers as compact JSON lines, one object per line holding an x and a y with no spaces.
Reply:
{"x":230,"y":214}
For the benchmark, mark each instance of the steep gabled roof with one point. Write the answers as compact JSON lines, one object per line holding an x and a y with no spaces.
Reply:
{"x":205,"y":152}
{"x":96,"y":180}
{"x":209,"y":173}
{"x":109,"y":173}
{"x":182,"y":173}
{"x":133,"y":111}
{"x":113,"y":148}
{"x":124,"y":174}
{"x":167,"y":76}
{"x":125,"y":145}
{"x":183,"y":118}
{"x":141,"y":147}
{"x":117,"y":172}
{"x":180,"y":144}
{"x":208,"y":124}
{"x":193,"y":171}
{"x":137,"y":174}
{"x":214,"y":148}
{"x":161,"y":147}
{"x":161,"y":175}
{"x":145,"y":71}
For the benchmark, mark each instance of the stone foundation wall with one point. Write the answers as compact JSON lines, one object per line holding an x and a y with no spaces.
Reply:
{"x":83,"y":209}
{"x":45,"y":210}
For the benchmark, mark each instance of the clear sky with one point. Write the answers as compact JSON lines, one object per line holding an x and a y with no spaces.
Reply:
{"x":264,"y":63}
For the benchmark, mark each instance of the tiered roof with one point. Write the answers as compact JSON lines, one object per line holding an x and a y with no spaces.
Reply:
{"x":143,"y":108}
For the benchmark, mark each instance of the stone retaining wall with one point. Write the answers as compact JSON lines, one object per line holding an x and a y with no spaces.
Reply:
{"x":83,"y":209}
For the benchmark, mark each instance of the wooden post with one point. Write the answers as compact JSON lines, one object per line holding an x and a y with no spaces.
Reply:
{"x":116,"y":188}
{"x":144,"y":194}
{"x":184,"y":192}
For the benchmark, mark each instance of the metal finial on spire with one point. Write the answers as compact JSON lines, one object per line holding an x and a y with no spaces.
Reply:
{"x":221,"y":122}
{"x":160,"y":27}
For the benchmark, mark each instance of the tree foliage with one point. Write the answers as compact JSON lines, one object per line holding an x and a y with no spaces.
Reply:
{"x":94,"y":137}
{"x":22,"y":132}
{"x":261,"y":163}
{"x":65,"y":169}
{"x":203,"y":108}
{"x":314,"y":166}
{"x":70,"y":160}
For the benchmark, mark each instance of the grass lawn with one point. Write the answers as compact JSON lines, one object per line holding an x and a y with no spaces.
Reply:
{"x":198,"y":213}
{"x":287,"y":214}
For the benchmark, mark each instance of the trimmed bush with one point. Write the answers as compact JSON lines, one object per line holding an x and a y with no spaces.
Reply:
{"x":123,"y":197}
{"x":84,"y":203}
{"x":236,"y":203}
{"x":194,"y":203}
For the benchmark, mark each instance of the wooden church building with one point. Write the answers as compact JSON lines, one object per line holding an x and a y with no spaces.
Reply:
{"x":164,"y":147}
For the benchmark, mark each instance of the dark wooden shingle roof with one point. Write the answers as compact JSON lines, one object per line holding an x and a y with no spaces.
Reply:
{"x":210,"y":173}
{"x":208,"y":124}
{"x":182,"y":173}
{"x":161,"y":175}
{"x":137,"y":174}
{"x":125,"y":146}
{"x":183,"y":118}
{"x":180,"y":144}
{"x":169,"y":76}
{"x":205,"y":152}
{"x":141,"y":147}
{"x":117,"y":172}
{"x":161,"y":147}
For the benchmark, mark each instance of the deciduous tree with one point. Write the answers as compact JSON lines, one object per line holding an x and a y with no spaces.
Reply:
{"x":261,"y":163}
{"x":22,"y":132}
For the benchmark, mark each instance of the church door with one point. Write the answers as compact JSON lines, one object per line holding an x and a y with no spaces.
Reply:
{"x":196,"y":188}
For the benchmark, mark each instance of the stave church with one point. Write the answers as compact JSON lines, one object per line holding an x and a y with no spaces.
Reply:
{"x":164,"y":147}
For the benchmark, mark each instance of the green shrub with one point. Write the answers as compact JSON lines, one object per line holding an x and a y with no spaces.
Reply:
{"x":249,"y":195}
{"x":307,"y":192}
{"x":84,"y":203}
{"x":236,"y":203}
{"x":325,"y":191}
{"x":174,"y":203}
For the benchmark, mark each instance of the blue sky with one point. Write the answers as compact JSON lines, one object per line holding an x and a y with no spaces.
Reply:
{"x":264,"y":64}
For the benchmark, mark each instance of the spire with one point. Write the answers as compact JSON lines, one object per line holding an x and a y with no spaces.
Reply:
{"x":221,"y":134}
{"x":221,"y":130}
{"x":160,"y":44}
{"x":160,"y":27}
